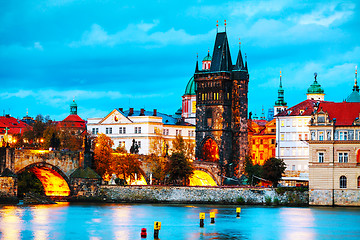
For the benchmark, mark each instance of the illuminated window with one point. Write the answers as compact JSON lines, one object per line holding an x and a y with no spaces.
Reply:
{"x":343,"y":182}
{"x":282,"y":137}
{"x":300,"y":123}
{"x":306,"y":136}
{"x":282,"y":123}
{"x":321,"y":136}
{"x":299,"y":136}
{"x":321,"y":157}
{"x":343,"y":135}
{"x":210,"y":151}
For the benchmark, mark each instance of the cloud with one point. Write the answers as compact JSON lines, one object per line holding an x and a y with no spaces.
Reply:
{"x":37,"y":45}
{"x":327,"y":14}
{"x":137,"y":33}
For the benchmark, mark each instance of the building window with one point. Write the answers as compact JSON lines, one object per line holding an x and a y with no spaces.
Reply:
{"x":343,"y":182}
{"x":272,"y":141}
{"x":108,"y":130}
{"x":299,"y":136}
{"x":293,"y":167}
{"x":138,"y":143}
{"x":122,"y":130}
{"x":321,"y":136}
{"x":300,"y":123}
{"x":343,"y":157}
{"x":137,"y":129}
{"x":282,"y":137}
{"x":282,"y":123}
{"x":306,"y":136}
{"x":343,"y":135}
{"x":95,"y":130}
{"x":261,"y":141}
{"x":358,"y":182}
{"x":321,"y":157}
{"x":261,"y":156}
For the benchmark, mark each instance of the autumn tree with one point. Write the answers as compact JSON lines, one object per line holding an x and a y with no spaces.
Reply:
{"x":179,"y":144}
{"x":102,"y":154}
{"x":252,"y":171}
{"x":273,"y":169}
{"x":125,"y":166}
{"x":51,"y":137}
{"x":179,"y":168}
{"x":71,"y":141}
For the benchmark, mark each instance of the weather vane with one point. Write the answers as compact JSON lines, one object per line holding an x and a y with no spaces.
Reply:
{"x":315,"y":75}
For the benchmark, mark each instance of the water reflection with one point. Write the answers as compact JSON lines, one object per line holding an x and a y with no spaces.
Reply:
{"x":11,"y":223}
{"x":298,"y":223}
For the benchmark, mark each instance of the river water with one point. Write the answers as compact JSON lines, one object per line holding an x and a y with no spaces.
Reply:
{"x":124,"y":221}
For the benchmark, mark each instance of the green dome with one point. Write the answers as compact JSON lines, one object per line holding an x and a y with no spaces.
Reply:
{"x":315,"y":88}
{"x":207,"y":58}
{"x":73,"y":104}
{"x":190,"y":87}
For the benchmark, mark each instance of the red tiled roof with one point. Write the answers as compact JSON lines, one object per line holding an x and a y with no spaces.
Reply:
{"x":344,"y":112}
{"x":305,"y":108}
{"x":72,"y":121}
{"x":15,"y":126}
{"x":260,"y":122}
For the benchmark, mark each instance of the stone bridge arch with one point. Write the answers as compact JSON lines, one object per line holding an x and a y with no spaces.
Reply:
{"x":210,"y":168}
{"x":55,"y":182}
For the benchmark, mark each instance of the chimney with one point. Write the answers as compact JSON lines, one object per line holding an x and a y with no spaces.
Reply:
{"x":131,"y":111}
{"x":155,"y":113}
{"x":121,"y":109}
{"x":142,"y":112}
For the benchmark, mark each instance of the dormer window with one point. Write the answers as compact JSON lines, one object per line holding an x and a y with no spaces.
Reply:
{"x":301,"y":111}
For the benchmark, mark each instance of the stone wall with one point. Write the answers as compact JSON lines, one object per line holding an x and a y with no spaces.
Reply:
{"x":346,"y":197}
{"x":203,"y":195}
{"x":83,"y":188}
{"x":8,"y":189}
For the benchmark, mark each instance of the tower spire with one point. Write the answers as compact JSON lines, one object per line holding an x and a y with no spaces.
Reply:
{"x":225,"y":24}
{"x":217,"y":26}
{"x":356,"y":87}
{"x":197,"y":63}
{"x":280,"y":101}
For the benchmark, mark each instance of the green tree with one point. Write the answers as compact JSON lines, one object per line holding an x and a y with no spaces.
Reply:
{"x":51,"y":137}
{"x":179,"y":144}
{"x":28,"y":182}
{"x":273,"y":169}
{"x":156,"y":165}
{"x":252,"y":171}
{"x":179,"y":168}
{"x":102,"y":154}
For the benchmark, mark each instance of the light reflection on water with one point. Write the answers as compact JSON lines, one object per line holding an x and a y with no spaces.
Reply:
{"x":124,"y":222}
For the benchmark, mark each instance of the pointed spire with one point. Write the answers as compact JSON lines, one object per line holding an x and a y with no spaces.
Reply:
{"x":239,"y":62}
{"x":246,"y":67}
{"x":197,"y":63}
{"x":280,"y":101}
{"x":217,"y":26}
{"x":356,"y":87}
{"x":221,"y":59}
{"x":225,"y":24}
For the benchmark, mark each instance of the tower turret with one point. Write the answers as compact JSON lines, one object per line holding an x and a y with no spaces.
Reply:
{"x":206,"y":62}
{"x":315,"y":91}
{"x":73,"y":107}
{"x":280,"y":103}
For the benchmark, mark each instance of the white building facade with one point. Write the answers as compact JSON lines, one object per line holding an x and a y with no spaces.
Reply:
{"x":292,"y":132}
{"x":142,"y":126}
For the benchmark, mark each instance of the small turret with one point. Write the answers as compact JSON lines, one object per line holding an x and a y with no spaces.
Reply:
{"x":315,"y":91}
{"x":206,"y":62}
{"x":280,"y":103}
{"x":73,"y":107}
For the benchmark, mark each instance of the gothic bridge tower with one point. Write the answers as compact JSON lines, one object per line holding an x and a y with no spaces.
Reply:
{"x":221,"y":110}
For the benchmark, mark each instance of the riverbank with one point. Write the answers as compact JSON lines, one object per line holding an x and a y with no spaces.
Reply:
{"x":205,"y":195}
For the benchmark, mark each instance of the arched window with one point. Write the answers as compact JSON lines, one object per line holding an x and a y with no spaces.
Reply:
{"x":358,"y":183}
{"x":358,"y":156}
{"x":210,"y":151}
{"x":343,"y":182}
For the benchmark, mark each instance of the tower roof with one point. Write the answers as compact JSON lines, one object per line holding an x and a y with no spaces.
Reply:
{"x":280,"y":101}
{"x":207,"y":57}
{"x":190,"y":87}
{"x":315,"y":88}
{"x":221,"y":60}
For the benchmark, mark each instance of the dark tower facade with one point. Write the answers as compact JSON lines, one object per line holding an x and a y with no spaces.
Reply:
{"x":222,"y":108}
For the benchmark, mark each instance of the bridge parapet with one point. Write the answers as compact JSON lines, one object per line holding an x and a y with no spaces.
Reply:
{"x":66,"y":161}
{"x":210,"y":168}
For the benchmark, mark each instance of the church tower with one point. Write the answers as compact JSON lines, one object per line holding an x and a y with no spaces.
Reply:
{"x":315,"y":91}
{"x":221,"y":110}
{"x":280,"y":103}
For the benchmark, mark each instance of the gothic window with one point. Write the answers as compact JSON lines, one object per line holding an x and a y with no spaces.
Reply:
{"x":343,"y":182}
{"x":210,"y":151}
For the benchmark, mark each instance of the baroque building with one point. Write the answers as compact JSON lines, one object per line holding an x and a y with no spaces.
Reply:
{"x":292,"y":132}
{"x":126,"y":126}
{"x":334,"y":160}
{"x":221,"y":109}
{"x":73,"y":123}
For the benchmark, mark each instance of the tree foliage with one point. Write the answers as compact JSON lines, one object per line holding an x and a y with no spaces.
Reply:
{"x":180,"y":145}
{"x":125,"y":166}
{"x":179,"y":168}
{"x":273,"y":169}
{"x":28,"y":182}
{"x":252,"y":170}
{"x":102,"y":154}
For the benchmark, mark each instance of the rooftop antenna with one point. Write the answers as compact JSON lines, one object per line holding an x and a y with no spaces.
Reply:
{"x":280,"y":80}
{"x":239,"y":44}
{"x":217,"y":26}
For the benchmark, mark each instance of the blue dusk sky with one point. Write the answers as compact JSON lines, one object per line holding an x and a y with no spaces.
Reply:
{"x":111,"y":54}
